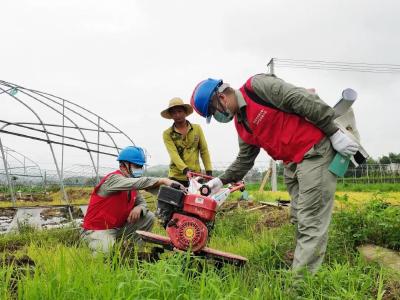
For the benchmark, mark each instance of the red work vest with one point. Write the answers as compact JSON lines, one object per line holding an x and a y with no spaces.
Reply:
{"x":283,"y":135}
{"x":108,"y":212}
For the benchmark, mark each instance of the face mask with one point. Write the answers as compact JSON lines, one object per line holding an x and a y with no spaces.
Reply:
{"x":223,"y":117}
{"x":136,"y":173}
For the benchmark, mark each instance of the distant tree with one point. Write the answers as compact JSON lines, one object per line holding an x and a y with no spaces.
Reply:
{"x":391,"y":158}
{"x":395,"y":158}
{"x":156,"y":173}
{"x":90,"y":181}
{"x":384,"y":160}
{"x":372,"y":161}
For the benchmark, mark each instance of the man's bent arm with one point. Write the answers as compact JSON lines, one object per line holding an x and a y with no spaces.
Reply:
{"x":117,"y":183}
{"x":243,"y":163}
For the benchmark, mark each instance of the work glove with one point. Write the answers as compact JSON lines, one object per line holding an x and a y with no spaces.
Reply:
{"x":343,"y":144}
{"x":215,"y":185}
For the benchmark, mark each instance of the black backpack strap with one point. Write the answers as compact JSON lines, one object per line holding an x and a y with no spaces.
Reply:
{"x":253,"y":96}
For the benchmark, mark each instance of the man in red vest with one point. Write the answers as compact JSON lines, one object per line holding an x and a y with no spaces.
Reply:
{"x":116,"y":210}
{"x":290,"y":124}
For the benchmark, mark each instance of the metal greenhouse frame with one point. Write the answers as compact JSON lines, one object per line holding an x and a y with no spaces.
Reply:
{"x":79,"y":122}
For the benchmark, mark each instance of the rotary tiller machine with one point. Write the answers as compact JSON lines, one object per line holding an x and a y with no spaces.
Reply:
{"x":189,"y":217}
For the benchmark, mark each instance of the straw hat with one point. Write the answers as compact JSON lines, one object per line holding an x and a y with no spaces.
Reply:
{"x":173,"y":103}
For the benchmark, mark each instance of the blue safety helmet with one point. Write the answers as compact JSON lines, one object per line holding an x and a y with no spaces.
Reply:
{"x":132,"y":154}
{"x":202,"y":95}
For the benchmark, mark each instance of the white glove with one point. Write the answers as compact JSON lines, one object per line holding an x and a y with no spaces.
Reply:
{"x":215,"y":185}
{"x":343,"y":144}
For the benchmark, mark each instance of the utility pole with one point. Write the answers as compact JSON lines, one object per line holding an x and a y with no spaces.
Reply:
{"x":271,"y":66}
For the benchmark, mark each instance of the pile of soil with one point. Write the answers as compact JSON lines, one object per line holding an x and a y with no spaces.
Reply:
{"x":6,"y":217}
{"x":21,"y":267}
{"x":391,"y":290}
{"x":61,"y":212}
{"x":12,"y":246}
{"x":7,"y":212}
{"x":42,"y":197}
{"x":231,"y":205}
{"x":23,"y":261}
{"x":75,"y":194}
{"x":273,"y":217}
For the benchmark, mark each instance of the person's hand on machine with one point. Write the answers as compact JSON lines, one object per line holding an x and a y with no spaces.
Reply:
{"x":172,"y":183}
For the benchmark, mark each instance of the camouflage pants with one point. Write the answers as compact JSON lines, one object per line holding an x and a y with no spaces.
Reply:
{"x":312,"y":188}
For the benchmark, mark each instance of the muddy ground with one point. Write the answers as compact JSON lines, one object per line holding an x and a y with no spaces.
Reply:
{"x":21,"y":266}
{"x":43,"y":197}
{"x":39,"y":217}
{"x":73,"y":194}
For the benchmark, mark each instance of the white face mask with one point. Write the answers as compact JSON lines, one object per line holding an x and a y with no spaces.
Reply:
{"x":223,"y":117}
{"x":136,"y":173}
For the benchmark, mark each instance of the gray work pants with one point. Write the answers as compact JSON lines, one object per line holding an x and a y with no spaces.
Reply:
{"x":312,"y":188}
{"x":104,"y":240}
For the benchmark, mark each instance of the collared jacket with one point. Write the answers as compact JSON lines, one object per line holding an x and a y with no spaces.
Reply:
{"x":109,"y":212}
{"x":113,"y":199}
{"x":286,"y":98}
{"x":184,"y":151}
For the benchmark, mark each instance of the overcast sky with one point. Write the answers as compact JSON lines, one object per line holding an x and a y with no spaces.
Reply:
{"x":125,"y":60}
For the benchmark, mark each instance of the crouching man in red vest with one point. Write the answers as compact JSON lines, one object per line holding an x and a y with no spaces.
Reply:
{"x":116,"y":210}
{"x":290,"y":124}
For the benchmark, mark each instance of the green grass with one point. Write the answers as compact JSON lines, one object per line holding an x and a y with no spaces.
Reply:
{"x":346,"y":186}
{"x":65,"y":269}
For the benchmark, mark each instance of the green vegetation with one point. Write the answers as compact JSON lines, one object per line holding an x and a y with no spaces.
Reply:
{"x":365,"y":187}
{"x":64,"y":269}
{"x":377,"y":223}
{"x":347,"y":186}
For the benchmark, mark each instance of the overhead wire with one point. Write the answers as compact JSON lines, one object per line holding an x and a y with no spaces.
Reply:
{"x":336,"y":65}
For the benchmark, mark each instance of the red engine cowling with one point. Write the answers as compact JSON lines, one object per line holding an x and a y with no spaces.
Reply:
{"x":201,"y":206}
{"x":187,"y":232}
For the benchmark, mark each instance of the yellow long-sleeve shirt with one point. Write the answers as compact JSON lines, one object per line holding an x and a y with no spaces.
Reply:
{"x":184,"y":150}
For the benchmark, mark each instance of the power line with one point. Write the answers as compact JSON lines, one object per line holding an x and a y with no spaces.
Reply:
{"x":336,"y":65}
{"x":334,"y":62}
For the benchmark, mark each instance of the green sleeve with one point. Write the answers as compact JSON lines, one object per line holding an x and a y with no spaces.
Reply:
{"x":173,"y":152}
{"x":205,"y":155}
{"x":116,"y":183}
{"x":243,"y":163}
{"x":297,"y":100}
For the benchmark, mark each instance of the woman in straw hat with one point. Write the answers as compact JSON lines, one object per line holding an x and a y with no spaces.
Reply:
{"x":184,"y":142}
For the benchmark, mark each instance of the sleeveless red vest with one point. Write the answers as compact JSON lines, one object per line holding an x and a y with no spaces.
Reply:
{"x":108,"y":212}
{"x":283,"y":135}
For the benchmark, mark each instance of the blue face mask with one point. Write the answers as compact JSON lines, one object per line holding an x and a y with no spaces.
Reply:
{"x":136,"y":173}
{"x":223,"y":117}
